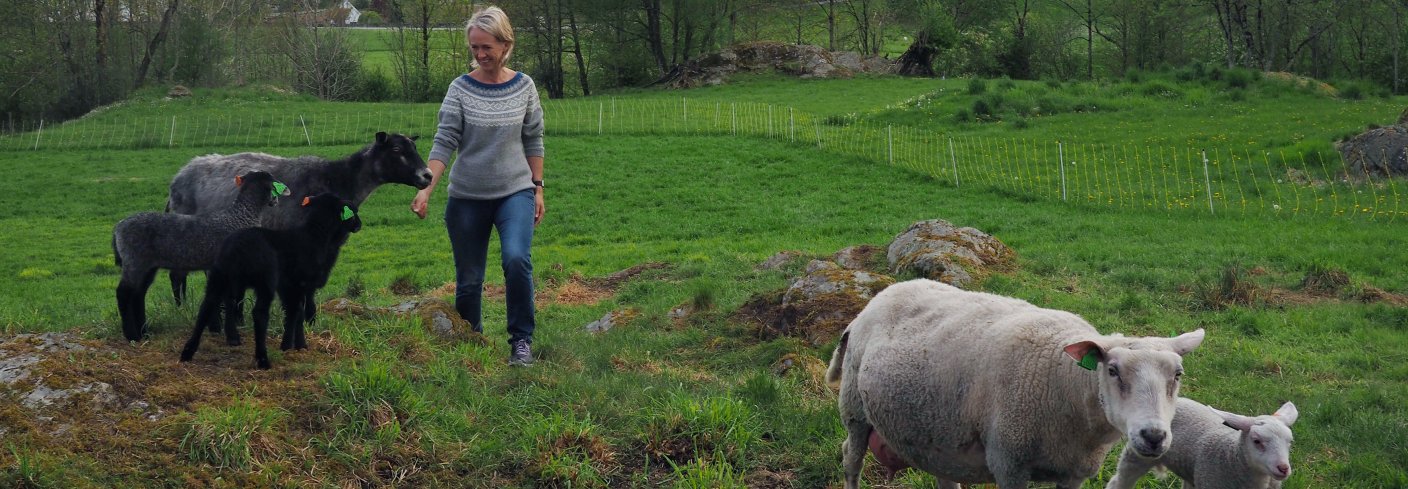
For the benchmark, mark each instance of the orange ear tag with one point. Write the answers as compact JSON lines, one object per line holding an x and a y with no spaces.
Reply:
{"x":239,"y":180}
{"x":306,"y":200}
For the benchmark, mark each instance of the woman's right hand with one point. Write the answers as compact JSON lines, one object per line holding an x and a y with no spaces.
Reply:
{"x":421,"y":203}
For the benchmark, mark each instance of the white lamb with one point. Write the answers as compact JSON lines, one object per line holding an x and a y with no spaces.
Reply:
{"x":1214,"y":449}
{"x":975,"y":387}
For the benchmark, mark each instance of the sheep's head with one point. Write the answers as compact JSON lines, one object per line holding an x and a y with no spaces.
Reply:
{"x":326,"y":208}
{"x":1266,"y":440}
{"x":259,"y":181}
{"x":396,"y":160}
{"x":1139,"y":379}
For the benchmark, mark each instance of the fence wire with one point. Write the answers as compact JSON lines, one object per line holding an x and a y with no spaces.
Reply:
{"x":1215,"y":181}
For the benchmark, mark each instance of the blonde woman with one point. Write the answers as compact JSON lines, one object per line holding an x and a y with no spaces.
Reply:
{"x":491,"y":124}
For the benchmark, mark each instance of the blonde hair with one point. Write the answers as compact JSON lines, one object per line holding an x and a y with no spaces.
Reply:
{"x":493,"y":21}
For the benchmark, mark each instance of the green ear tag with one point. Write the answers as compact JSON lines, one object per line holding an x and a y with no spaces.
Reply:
{"x":1089,"y":361}
{"x":347,"y":213}
{"x":279,"y":189}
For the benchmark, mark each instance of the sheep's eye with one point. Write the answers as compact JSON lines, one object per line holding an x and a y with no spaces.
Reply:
{"x":1114,"y":372}
{"x":1178,"y":375}
{"x":1258,"y":444}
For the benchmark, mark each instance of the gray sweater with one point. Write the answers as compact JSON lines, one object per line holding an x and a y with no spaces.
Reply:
{"x":494,"y":128}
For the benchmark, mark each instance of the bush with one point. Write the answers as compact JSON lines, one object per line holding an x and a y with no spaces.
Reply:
{"x":370,"y":17}
{"x":1239,"y":78}
{"x":374,"y":86}
{"x":977,"y":86}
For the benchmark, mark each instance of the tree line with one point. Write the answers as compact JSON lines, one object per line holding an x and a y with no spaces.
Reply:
{"x":62,"y":58}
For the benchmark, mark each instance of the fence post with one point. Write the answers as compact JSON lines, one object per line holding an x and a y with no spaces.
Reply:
{"x":38,"y":133}
{"x":685,"y":108}
{"x":817,"y":124}
{"x":305,"y":130}
{"x":791,"y":126}
{"x":1061,"y":153}
{"x":954,"y":158}
{"x":733,"y":130}
{"x":1207,"y":181}
{"x":171,"y":140}
{"x":890,"y":143}
{"x":600,"y":117}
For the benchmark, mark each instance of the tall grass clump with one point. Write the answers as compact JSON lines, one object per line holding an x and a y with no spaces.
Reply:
{"x":565,"y":451}
{"x":31,"y":470}
{"x":1232,"y":287}
{"x":373,"y":400}
{"x":228,"y":437}
{"x":705,"y":474}
{"x":685,"y":427}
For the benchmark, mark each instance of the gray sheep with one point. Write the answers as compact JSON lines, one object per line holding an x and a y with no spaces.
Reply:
{"x":975,"y":387}
{"x":199,"y":188}
{"x":146,"y":241}
{"x":1214,"y":449}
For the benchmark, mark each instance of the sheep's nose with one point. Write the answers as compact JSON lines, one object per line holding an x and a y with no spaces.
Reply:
{"x":1283,"y":469}
{"x":1154,"y":437}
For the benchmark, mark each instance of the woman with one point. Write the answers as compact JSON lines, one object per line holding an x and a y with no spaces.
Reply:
{"x":492,"y":122}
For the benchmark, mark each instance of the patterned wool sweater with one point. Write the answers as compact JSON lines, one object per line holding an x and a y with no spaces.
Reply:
{"x":492,"y":128}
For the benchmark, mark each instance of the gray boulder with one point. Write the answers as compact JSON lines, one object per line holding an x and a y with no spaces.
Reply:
{"x":1378,"y":152}
{"x":821,"y":303}
{"x":938,"y":250}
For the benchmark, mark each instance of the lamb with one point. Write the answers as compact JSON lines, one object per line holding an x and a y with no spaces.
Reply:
{"x":390,"y":158}
{"x":1214,"y":449}
{"x":289,"y":262}
{"x":972,"y":387}
{"x":146,"y":241}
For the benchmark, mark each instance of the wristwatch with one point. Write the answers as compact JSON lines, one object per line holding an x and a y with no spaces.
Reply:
{"x":537,"y":183}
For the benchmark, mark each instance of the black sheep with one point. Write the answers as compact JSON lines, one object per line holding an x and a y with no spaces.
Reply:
{"x":290,"y":262}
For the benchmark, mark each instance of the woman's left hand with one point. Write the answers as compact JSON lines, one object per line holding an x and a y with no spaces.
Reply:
{"x":539,"y":207}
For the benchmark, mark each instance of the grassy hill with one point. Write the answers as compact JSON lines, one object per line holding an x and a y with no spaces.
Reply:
{"x":702,"y":400}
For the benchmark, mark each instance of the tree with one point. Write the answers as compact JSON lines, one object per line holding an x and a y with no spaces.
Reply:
{"x":155,"y":42}
{"x":933,"y":31}
{"x":1089,"y":17}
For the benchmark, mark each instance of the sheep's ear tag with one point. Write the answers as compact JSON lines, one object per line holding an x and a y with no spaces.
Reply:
{"x":279,"y":189}
{"x":306,"y":200}
{"x":239,"y":180}
{"x":347,"y":213}
{"x":1090,"y":361}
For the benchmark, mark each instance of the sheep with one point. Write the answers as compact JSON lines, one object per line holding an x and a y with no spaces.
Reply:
{"x":391,"y":158}
{"x":289,"y":262}
{"x":972,"y":387}
{"x":146,"y":241}
{"x":1214,"y":449}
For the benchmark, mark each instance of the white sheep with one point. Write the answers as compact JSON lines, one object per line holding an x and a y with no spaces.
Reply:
{"x":1215,"y":449}
{"x":975,"y":387}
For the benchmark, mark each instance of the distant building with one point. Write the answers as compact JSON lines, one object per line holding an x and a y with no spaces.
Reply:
{"x":343,"y":14}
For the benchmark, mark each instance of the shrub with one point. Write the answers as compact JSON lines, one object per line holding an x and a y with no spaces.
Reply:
{"x":981,"y":110}
{"x":1239,"y":78}
{"x":962,"y":116}
{"x":977,"y":86}
{"x":373,"y":86}
{"x":370,"y":17}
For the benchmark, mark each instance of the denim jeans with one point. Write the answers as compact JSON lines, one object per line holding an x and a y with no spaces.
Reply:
{"x":469,"y":223}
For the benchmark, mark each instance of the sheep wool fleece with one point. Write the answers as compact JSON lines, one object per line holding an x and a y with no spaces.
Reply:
{"x":494,"y":127}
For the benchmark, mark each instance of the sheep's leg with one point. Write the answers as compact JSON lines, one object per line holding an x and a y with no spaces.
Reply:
{"x":310,"y":309}
{"x":853,"y":452}
{"x":178,"y":285}
{"x":233,"y":315}
{"x":263,"y":299}
{"x":293,"y":317}
{"x":137,"y":305}
{"x":209,"y":312}
{"x":131,"y":329}
{"x":1128,"y":472}
{"x":1008,"y":473}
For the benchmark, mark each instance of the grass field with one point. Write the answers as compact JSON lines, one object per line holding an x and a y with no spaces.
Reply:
{"x":696,"y":402}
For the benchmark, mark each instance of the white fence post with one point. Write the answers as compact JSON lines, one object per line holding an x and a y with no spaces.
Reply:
{"x":890,"y":143}
{"x":305,"y":130}
{"x":791,"y":125}
{"x":38,"y":133}
{"x":600,"y":117}
{"x":1207,"y":181}
{"x":954,"y":158}
{"x":171,"y":140}
{"x":1061,"y":153}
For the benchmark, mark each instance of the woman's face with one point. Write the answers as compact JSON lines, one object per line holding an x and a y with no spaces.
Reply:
{"x":488,"y":51}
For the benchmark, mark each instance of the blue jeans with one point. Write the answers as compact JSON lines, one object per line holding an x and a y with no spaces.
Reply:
{"x":469,"y":223}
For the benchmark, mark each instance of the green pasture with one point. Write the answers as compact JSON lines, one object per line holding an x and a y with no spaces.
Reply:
{"x":694,"y":402}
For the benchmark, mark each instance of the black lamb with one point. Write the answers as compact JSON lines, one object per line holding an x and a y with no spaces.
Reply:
{"x":290,"y":262}
{"x":147,"y":241}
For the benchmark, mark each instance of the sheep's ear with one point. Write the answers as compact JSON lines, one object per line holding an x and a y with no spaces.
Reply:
{"x":1186,"y":342}
{"x":1087,"y":354}
{"x":1287,"y":413}
{"x":381,"y":137}
{"x":239,"y":180}
{"x":1235,"y":421}
{"x":413,"y":138}
{"x":306,"y":201}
